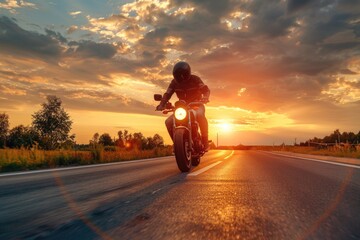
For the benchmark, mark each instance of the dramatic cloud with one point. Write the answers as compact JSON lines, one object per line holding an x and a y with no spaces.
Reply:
{"x":11,"y":5}
{"x":92,"y":49}
{"x":15,"y":39}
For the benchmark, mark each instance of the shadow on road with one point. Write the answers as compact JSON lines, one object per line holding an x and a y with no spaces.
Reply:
{"x":124,"y":211}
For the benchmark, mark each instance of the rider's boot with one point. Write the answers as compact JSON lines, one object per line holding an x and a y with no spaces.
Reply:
{"x":205,"y":141}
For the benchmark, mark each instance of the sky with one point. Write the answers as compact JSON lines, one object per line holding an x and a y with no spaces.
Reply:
{"x":278,"y":70}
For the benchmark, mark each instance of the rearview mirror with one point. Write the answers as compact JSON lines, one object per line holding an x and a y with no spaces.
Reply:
{"x":157,"y":97}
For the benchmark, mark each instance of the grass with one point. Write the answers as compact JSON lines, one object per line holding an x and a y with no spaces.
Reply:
{"x":25,"y":159}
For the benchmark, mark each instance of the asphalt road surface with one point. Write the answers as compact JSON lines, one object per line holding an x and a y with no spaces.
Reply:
{"x":230,"y":195}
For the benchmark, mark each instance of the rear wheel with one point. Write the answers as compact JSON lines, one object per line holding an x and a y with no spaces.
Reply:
{"x":182,"y":150}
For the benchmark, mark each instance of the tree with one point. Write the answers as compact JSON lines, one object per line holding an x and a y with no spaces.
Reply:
{"x":95,"y":139}
{"x":70,"y":143}
{"x":21,"y":136}
{"x":4,"y":129}
{"x":139,"y":141}
{"x":158,"y":140}
{"x":53,"y":123}
{"x":120,"y":141}
{"x":150,"y":143}
{"x":106,"y":140}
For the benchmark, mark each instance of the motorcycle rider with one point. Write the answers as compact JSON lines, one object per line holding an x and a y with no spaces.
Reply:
{"x":189,"y":88}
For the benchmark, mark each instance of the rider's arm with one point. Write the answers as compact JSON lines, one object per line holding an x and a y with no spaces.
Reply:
{"x":167,"y":95}
{"x":204,"y":89}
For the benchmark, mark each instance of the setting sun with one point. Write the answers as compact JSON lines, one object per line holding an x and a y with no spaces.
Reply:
{"x":225,"y":126}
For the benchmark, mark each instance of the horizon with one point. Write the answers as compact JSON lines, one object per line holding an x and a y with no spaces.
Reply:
{"x":277,"y":71}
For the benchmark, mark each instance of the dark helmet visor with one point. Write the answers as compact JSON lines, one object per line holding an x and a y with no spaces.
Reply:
{"x":181,"y":72}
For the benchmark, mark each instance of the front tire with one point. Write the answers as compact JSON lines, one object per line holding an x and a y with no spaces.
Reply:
{"x":182,"y":150}
{"x":195,"y":161}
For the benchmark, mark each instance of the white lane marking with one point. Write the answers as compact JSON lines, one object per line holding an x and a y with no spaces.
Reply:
{"x":232,"y":153}
{"x":156,"y":191}
{"x":317,"y":160}
{"x":204,"y":169}
{"x":80,"y":167}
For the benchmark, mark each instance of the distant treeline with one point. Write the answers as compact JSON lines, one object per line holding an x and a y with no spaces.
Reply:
{"x":335,"y":138}
{"x":125,"y":140}
{"x":50,"y":130}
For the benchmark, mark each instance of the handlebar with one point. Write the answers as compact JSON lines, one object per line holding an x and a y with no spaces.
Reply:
{"x":197,"y":103}
{"x":166,"y":111}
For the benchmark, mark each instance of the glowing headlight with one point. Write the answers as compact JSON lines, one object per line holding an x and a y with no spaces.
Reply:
{"x":180,"y":114}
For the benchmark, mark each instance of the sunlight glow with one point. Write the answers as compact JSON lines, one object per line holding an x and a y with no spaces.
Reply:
{"x":225,"y":127}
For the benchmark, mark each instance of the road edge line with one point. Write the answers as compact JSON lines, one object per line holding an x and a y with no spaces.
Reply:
{"x":316,"y":160}
{"x":232,"y":153}
{"x":204,"y":169}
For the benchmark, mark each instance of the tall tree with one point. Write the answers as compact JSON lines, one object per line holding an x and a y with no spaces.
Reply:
{"x":4,"y":128}
{"x":139,"y":141}
{"x":106,"y":140}
{"x":120,"y":141}
{"x":53,"y":123}
{"x":95,"y":139}
{"x":158,"y":140}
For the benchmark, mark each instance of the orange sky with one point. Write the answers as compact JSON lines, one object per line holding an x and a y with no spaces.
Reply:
{"x":277,"y":70}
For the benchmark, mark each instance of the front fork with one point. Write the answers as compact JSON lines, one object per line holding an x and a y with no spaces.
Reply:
{"x":187,"y":128}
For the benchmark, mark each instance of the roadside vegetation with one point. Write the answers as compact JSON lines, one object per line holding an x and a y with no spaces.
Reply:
{"x":30,"y":159}
{"x":336,"y":144}
{"x":47,"y":143}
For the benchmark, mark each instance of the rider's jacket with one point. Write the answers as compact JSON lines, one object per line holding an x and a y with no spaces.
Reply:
{"x":192,"y":90}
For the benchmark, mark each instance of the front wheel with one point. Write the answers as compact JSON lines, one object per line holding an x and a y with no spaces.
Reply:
{"x":182,"y":149}
{"x":195,"y":161}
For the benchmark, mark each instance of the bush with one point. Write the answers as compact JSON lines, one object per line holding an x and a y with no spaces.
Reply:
{"x":110,"y":149}
{"x":12,"y":166}
{"x":97,"y":152}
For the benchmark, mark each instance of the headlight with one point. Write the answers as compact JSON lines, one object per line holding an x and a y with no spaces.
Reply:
{"x":180,"y":114}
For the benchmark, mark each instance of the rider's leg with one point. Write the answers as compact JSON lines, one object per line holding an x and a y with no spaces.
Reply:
{"x":200,"y":116}
{"x":169,"y":122}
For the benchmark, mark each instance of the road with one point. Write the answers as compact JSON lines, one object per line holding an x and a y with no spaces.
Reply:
{"x":230,"y":195}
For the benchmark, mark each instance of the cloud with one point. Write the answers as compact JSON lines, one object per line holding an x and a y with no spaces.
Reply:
{"x":75,"y":13}
{"x":12,"y":91}
{"x":271,"y":58}
{"x":294,"y":5}
{"x":56,"y":36}
{"x":89,"y":49}
{"x":11,"y":5}
{"x":15,"y":39}
{"x":72,"y":29}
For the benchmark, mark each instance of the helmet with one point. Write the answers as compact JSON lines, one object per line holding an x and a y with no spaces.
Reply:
{"x":181,"y":72}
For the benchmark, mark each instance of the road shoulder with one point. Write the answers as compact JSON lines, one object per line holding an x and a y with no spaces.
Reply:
{"x":353,"y":161}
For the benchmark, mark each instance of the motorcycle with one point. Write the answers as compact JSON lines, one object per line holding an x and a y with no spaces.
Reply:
{"x":188,"y":147}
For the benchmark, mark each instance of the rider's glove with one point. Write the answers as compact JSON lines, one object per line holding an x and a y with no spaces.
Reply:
{"x":160,"y":107}
{"x":204,"y":100}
